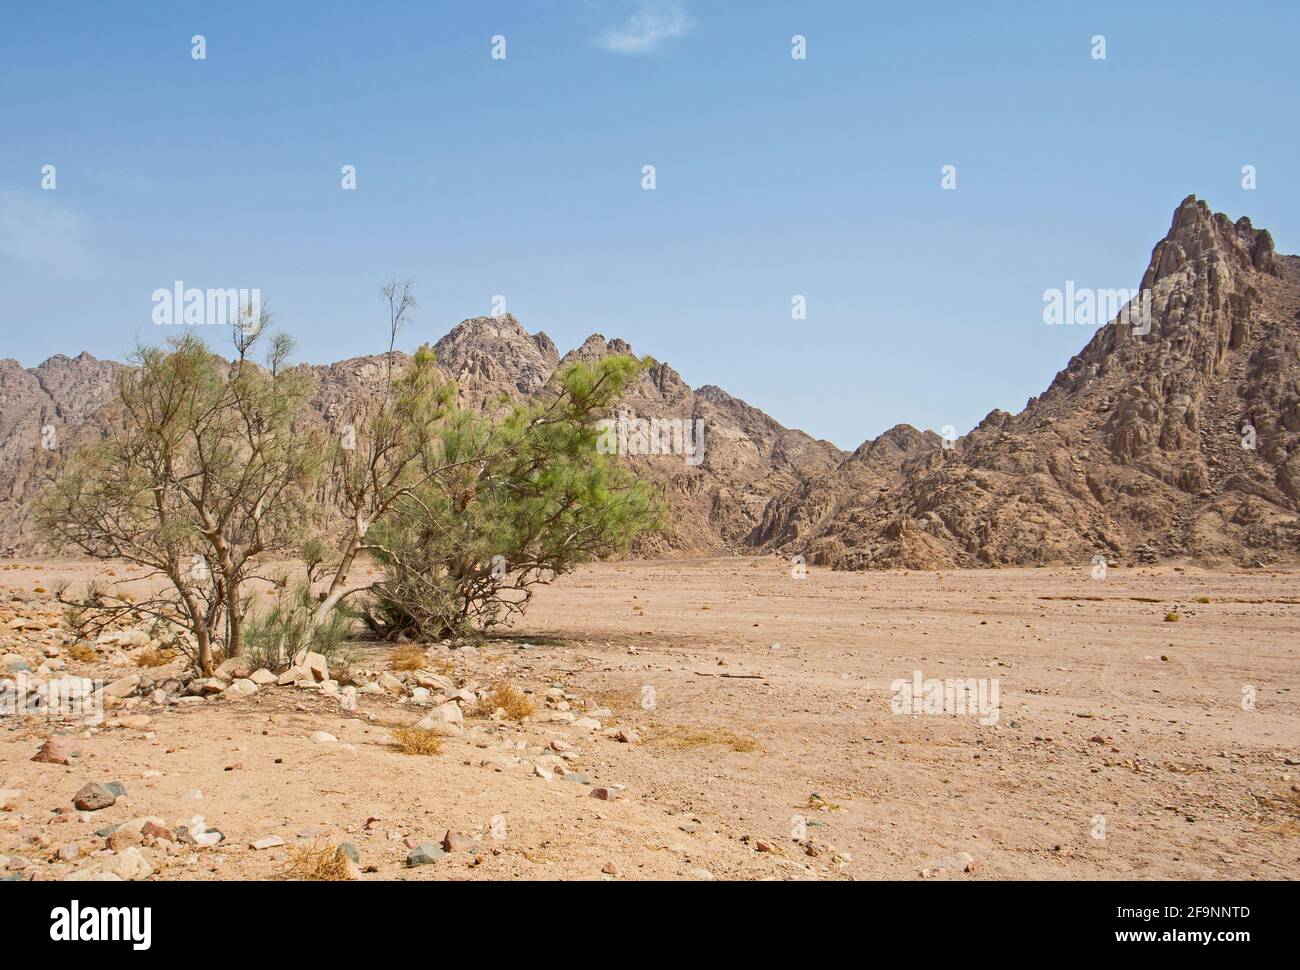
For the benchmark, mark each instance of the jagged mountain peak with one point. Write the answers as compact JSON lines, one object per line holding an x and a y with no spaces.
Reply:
{"x":1173,"y":436}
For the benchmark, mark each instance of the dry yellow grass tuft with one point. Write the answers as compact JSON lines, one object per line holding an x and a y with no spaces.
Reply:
{"x":150,"y":658}
{"x":416,"y":740}
{"x":407,"y":657}
{"x":83,"y":653}
{"x":506,"y":696}
{"x":618,"y":698}
{"x":1171,"y":617}
{"x":318,"y":862}
{"x":681,"y":737}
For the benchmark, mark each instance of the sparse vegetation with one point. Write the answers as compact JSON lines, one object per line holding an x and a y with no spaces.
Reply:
{"x":416,"y":740}
{"x":506,"y":697}
{"x":83,"y":653}
{"x":1171,"y":617}
{"x":203,"y":474}
{"x":498,"y":508}
{"x":407,"y":657}
{"x":214,"y":465}
{"x":318,"y":862}
{"x":681,"y":737}
{"x":273,"y":636}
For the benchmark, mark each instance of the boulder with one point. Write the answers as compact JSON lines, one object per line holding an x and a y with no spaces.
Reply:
{"x":93,"y":797}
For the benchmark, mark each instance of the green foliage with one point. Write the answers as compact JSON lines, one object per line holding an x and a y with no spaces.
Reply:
{"x":203,"y":472}
{"x":514,"y":503}
{"x":272,"y":637}
{"x":212,"y":466}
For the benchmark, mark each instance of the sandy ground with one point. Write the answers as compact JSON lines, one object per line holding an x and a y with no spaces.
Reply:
{"x":1124,"y":745}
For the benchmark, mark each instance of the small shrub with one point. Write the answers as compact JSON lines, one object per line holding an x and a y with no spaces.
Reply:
{"x":505,"y":695}
{"x":150,"y":658}
{"x":1203,"y":599}
{"x":83,"y":652}
{"x":317,"y":863}
{"x":682,"y":737}
{"x":416,"y":740}
{"x":407,"y":657}
{"x":1171,"y":617}
{"x":273,"y":637}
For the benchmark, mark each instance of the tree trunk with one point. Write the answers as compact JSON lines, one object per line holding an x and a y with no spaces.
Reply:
{"x":338,"y":585}
{"x":235,"y":618}
{"x":199,"y":627}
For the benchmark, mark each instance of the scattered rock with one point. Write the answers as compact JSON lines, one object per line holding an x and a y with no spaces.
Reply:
{"x":292,"y":676}
{"x":56,"y":751}
{"x":350,"y":850}
{"x":94,"y":797}
{"x":450,"y":712}
{"x":457,"y":842}
{"x":241,"y":688}
{"x":426,"y":854}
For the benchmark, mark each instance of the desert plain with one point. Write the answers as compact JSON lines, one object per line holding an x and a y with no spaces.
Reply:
{"x":746,"y":726}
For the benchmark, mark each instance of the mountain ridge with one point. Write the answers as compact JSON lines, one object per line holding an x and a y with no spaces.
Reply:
{"x":1130,"y":453}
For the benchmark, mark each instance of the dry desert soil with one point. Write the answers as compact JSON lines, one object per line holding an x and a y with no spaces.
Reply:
{"x":1125,"y":745}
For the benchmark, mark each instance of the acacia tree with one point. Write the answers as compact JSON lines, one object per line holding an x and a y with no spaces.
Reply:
{"x":213,"y":465}
{"x":506,"y":506}
{"x":253,"y":483}
{"x":462,"y":512}
{"x":377,"y":455}
{"x":203,"y":473}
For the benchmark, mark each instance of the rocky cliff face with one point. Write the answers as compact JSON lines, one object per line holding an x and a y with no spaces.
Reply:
{"x":64,"y":395}
{"x":1135,"y":452}
{"x":1178,"y":442}
{"x":715,"y":500}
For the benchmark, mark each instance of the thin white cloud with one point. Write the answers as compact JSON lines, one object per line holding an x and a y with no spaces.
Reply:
{"x":43,"y":235}
{"x":653,"y":23}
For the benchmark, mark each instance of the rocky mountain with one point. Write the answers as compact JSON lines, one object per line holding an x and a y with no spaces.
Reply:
{"x":712,"y":504}
{"x":1177,"y":443}
{"x":44,"y":409}
{"x":1181,"y":440}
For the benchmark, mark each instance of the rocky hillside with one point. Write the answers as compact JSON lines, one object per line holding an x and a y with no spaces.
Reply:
{"x":712,"y":505}
{"x":1180,"y":442}
{"x":1142,"y":449}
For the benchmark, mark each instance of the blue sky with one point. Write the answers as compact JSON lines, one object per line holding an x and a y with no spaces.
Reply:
{"x":523,"y":177}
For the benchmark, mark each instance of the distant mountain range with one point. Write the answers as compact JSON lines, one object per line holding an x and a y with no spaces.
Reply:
{"x":1171,"y":437}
